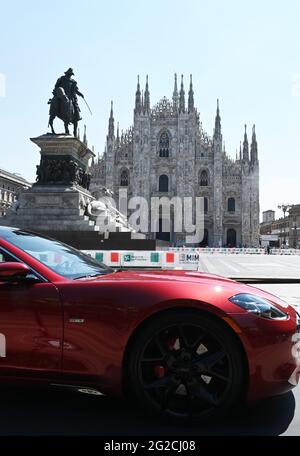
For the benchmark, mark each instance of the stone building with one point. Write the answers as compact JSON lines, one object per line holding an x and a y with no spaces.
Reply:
{"x":268,"y":216}
{"x":10,"y":185}
{"x":294,"y":226}
{"x":286,"y":229}
{"x":168,"y":153}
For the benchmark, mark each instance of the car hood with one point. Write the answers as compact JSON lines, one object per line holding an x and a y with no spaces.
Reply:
{"x":221,"y":286}
{"x":164,"y":275}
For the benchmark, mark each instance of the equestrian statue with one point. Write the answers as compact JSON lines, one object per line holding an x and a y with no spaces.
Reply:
{"x":64,"y":103}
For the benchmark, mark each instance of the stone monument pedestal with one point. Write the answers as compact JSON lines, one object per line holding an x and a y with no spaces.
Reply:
{"x":58,"y":199}
{"x":56,"y":205}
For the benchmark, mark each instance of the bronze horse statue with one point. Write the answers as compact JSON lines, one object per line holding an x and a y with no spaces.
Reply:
{"x":64,"y":103}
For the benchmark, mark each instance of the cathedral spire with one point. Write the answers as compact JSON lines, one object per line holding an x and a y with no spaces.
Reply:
{"x":253,"y":146}
{"x":138,"y":103}
{"x":182,"y":97}
{"x":147,"y":97}
{"x":175,"y":93}
{"x":118,"y":133}
{"x":191,"y":96}
{"x":240,"y":150}
{"x":245,"y":146}
{"x":218,"y":131}
{"x":111,"y":123}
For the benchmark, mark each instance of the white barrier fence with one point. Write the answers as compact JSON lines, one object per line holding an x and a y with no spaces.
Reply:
{"x":171,"y":259}
{"x":147,"y":259}
{"x":236,"y":251}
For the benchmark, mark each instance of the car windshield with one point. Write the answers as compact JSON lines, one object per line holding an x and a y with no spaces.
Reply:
{"x":61,"y":258}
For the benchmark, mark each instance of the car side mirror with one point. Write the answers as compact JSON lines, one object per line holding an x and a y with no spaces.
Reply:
{"x":10,"y":271}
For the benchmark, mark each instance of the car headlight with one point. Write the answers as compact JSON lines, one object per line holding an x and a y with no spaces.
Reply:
{"x":259,"y":306}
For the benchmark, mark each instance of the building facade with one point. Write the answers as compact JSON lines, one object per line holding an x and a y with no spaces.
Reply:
{"x":286,"y":229}
{"x":168,"y":153}
{"x":268,"y":216}
{"x":10,"y":185}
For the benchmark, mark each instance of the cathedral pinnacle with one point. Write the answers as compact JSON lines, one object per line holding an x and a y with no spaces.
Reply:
{"x":118,"y":133}
{"x":245,"y":146}
{"x":175,"y":93}
{"x":111,"y":123}
{"x":138,"y":103}
{"x":191,"y":96}
{"x":217,"y":132}
{"x":147,"y":97}
{"x":182,"y":97}
{"x":253,"y":146}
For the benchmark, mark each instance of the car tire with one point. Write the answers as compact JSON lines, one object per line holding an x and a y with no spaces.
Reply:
{"x":186,"y":367}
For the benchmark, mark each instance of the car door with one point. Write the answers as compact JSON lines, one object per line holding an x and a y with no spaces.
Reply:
{"x":31,"y":327}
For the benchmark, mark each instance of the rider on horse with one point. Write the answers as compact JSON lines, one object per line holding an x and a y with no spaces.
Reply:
{"x":64,"y":104}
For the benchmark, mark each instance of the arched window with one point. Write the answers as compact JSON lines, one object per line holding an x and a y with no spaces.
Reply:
{"x":164,"y":145}
{"x":231,"y":205}
{"x":205,"y":205}
{"x":163,"y":183}
{"x":204,"y":181}
{"x":124,"y":181}
{"x":231,"y":238}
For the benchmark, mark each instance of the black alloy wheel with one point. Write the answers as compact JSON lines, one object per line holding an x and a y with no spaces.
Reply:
{"x":187,"y":367}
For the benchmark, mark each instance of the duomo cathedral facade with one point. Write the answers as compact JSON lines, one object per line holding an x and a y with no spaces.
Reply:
{"x":168,"y":153}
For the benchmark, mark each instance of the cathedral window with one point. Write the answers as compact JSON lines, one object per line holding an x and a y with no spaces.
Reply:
{"x":163,"y":183}
{"x":205,"y":205}
{"x":204,"y":181}
{"x":124,"y":181}
{"x":231,"y":205}
{"x":164,"y":145}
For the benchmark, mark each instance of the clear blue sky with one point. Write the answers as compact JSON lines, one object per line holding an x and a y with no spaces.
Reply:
{"x":247,"y":54}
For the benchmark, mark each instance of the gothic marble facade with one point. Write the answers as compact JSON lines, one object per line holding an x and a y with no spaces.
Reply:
{"x":168,"y":153}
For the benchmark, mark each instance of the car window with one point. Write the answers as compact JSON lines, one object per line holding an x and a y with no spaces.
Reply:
{"x":59,"y":257}
{"x":5,"y":257}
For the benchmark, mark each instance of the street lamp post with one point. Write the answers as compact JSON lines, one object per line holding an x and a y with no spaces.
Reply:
{"x":284,"y":208}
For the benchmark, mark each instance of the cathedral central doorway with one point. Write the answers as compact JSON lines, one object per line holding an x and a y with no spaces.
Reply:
{"x":231,"y":238}
{"x":162,"y":235}
{"x":204,"y":242}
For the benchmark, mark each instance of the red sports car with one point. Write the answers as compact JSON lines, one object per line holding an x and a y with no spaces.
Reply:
{"x":186,"y":345}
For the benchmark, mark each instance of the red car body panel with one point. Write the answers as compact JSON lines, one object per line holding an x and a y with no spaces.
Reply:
{"x":77,"y":332}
